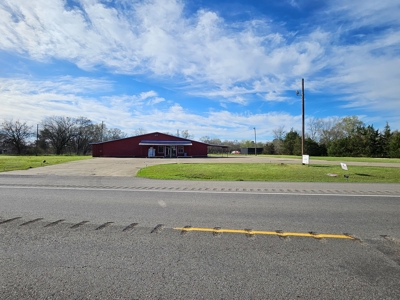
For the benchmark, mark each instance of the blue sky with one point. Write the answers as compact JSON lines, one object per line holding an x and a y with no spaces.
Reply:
{"x":215,"y":68}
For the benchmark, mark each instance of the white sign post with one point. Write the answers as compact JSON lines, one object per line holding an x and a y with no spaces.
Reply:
{"x":306,"y":159}
{"x":344,"y":167}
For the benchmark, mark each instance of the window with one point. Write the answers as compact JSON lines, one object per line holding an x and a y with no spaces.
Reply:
{"x":180,"y":149}
{"x":160,"y":149}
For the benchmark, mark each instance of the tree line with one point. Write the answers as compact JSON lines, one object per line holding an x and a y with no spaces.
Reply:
{"x":346,"y":136}
{"x":61,"y":135}
{"x":343,"y":137}
{"x":55,"y":135}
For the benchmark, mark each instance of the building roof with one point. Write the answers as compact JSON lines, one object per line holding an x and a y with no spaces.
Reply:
{"x":220,"y":146}
{"x":182,"y":142}
{"x":164,"y":143}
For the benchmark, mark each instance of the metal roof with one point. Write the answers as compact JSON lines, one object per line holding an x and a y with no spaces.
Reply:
{"x":165,"y":143}
{"x":220,"y":146}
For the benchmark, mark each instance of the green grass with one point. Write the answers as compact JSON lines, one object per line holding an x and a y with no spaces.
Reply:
{"x":341,"y":159}
{"x":16,"y":162}
{"x":270,"y":172}
{"x":330,"y":158}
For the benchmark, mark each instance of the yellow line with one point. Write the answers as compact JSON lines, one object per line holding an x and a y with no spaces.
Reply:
{"x":281,"y":234}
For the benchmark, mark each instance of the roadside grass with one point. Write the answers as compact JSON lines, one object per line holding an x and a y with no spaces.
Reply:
{"x":331,"y":158}
{"x":271,"y":172}
{"x":19,"y":162}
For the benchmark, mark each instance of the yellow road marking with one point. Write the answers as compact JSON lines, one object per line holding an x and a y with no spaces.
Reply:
{"x":281,"y":234}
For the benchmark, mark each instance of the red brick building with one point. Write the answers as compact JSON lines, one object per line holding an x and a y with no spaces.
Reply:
{"x":154,"y":144}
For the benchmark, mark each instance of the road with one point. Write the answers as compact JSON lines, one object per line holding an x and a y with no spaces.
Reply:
{"x":70,"y":237}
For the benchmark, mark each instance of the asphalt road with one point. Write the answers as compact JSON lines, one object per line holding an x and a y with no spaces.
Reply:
{"x":122,"y":238}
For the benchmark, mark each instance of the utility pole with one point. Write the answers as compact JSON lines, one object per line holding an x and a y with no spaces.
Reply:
{"x":37,"y":138}
{"x":255,"y":141}
{"x":102,"y":124}
{"x":302,"y":117}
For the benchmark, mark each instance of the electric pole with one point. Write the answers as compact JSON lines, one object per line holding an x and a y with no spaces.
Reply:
{"x":302,"y":117}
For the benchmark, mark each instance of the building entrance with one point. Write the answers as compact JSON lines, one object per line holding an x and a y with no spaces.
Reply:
{"x":170,"y":151}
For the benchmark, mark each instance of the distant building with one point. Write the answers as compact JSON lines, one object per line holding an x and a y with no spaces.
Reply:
{"x":251,"y":150}
{"x":154,"y":144}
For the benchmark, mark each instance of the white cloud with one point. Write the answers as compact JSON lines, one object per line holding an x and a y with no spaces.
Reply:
{"x":146,"y":95}
{"x":155,"y":37}
{"x":155,"y":100}
{"x":33,"y":101}
{"x":365,"y":14}
{"x":206,"y":54}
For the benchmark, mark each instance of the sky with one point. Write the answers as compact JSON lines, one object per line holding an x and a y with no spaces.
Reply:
{"x":215,"y":68}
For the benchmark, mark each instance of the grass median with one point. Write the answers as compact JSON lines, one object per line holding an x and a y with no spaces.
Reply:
{"x":19,"y":162}
{"x":326,"y":158}
{"x":271,"y":172}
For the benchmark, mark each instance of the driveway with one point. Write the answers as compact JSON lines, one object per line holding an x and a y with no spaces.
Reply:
{"x":128,"y":167}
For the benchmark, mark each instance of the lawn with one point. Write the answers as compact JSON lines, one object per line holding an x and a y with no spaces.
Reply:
{"x":16,"y":162}
{"x":271,"y":172}
{"x":332,"y":158}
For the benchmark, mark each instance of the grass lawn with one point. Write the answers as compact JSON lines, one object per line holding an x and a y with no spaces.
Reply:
{"x":16,"y":162}
{"x":271,"y":172}
{"x":331,"y":158}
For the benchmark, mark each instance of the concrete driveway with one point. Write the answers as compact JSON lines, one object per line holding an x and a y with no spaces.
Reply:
{"x":128,"y":167}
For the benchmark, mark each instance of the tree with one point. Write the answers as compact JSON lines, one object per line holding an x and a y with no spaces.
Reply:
{"x":315,"y":127}
{"x":59,"y":131}
{"x":340,"y":147}
{"x":113,"y":134}
{"x":279,"y":135}
{"x":84,"y":131}
{"x":347,"y":126}
{"x":205,"y":139}
{"x":269,"y":148}
{"x":215,"y":141}
{"x":372,"y":146}
{"x":15,"y":134}
{"x":385,"y":141}
{"x":186,"y":135}
{"x":292,"y":143}
{"x":362,"y":141}
{"x":394,"y":145}
{"x":232,"y":145}
{"x":247,"y":144}
{"x":313,"y":148}
{"x":140,"y":131}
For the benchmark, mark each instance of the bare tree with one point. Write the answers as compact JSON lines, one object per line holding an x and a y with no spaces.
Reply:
{"x":15,"y":134}
{"x":113,"y":134}
{"x":337,"y":128}
{"x":279,"y":136}
{"x":315,"y":127}
{"x":59,"y":131}
{"x":279,"y":133}
{"x":140,"y":131}
{"x":205,"y":139}
{"x":328,"y":132}
{"x":84,"y":132}
{"x":185,"y":134}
